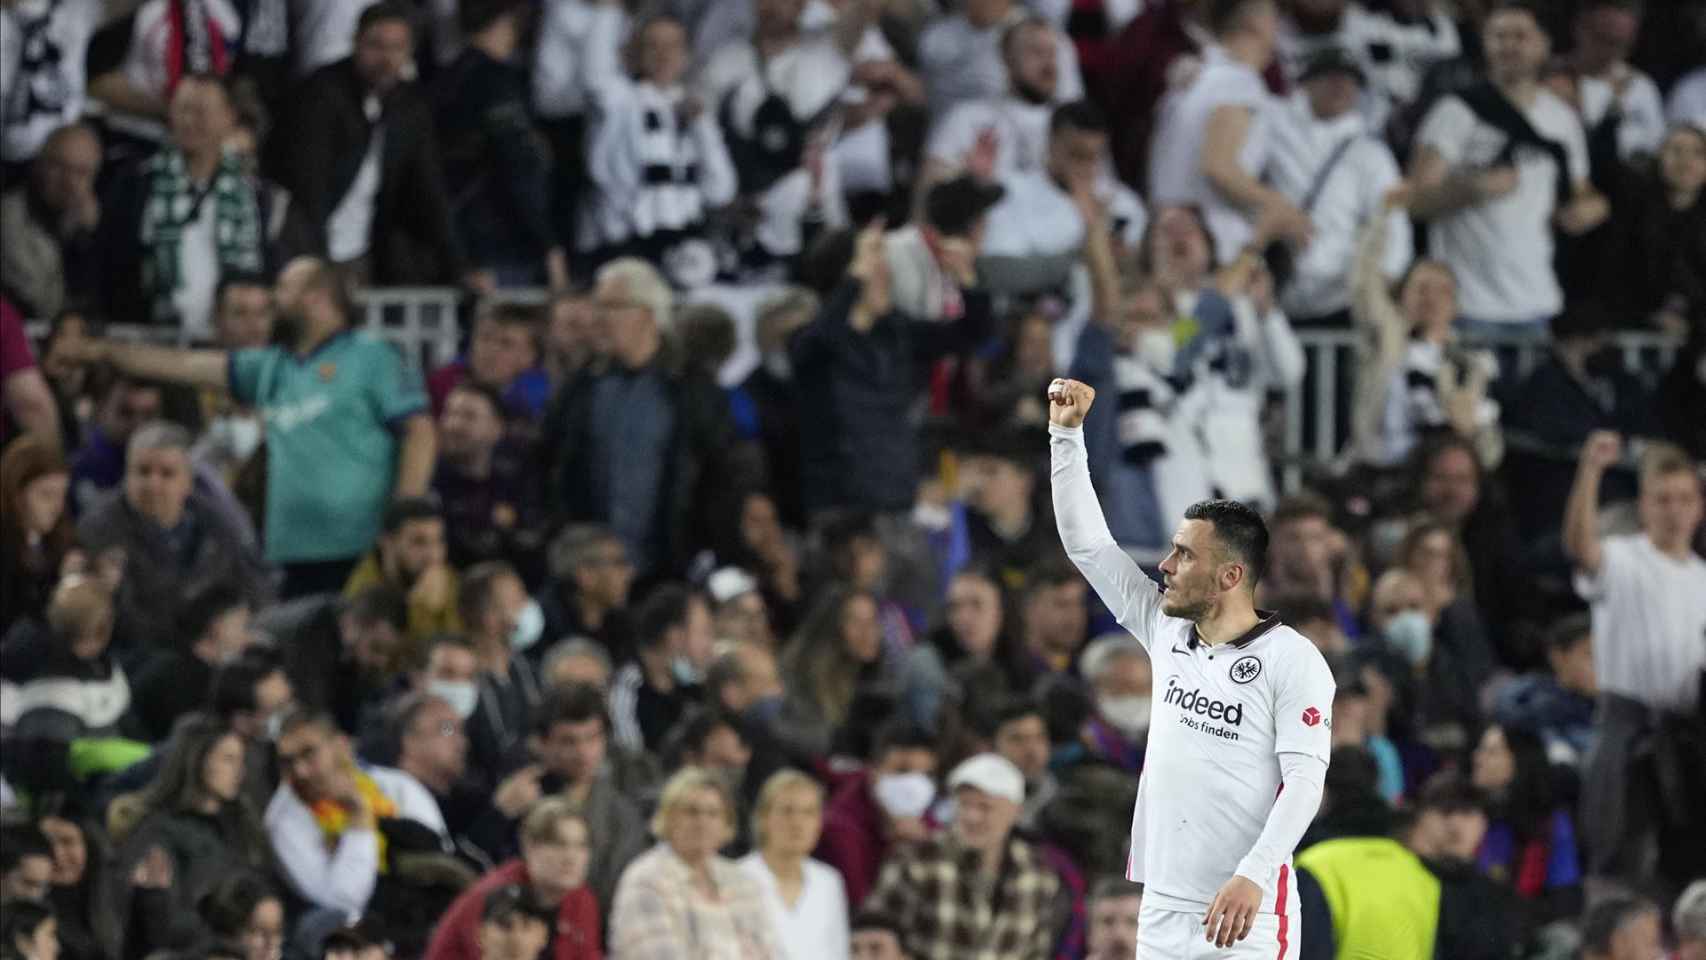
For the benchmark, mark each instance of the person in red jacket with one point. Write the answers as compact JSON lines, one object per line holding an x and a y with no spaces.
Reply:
{"x":552,"y":868}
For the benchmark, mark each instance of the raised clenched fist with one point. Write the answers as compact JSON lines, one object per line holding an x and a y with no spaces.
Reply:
{"x":1069,"y":402}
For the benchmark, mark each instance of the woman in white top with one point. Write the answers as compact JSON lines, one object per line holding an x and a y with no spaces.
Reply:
{"x":805,"y":897}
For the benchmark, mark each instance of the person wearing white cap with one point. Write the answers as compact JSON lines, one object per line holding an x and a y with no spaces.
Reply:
{"x":927,"y":886}
{"x":739,"y":613}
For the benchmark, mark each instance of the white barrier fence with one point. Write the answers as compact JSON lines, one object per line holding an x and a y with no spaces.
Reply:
{"x":422,"y":321}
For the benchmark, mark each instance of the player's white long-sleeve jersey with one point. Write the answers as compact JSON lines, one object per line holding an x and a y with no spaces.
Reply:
{"x":1229,"y":724}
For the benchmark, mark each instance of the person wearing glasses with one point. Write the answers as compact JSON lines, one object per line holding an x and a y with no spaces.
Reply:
{"x":683,"y":899}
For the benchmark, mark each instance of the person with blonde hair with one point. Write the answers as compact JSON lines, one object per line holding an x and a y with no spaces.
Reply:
{"x":806,"y":897}
{"x":683,"y":899}
{"x":62,"y":683}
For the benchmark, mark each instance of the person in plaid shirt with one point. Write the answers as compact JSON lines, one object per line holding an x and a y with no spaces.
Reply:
{"x":978,"y":892}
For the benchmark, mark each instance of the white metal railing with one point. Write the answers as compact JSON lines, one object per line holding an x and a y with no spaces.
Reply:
{"x":423,"y":322}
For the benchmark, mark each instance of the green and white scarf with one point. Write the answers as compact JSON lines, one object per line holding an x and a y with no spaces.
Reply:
{"x":173,"y":203}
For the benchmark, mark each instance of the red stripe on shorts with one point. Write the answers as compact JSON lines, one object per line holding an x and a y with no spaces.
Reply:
{"x":1279,"y":907}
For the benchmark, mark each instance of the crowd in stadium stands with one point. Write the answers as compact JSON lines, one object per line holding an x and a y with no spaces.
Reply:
{"x":714,"y":607}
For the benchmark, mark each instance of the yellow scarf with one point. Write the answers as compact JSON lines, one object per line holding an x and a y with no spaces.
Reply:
{"x":333,"y":817}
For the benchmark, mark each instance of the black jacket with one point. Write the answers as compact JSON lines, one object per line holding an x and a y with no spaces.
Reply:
{"x":704,"y":457}
{"x":859,"y":447}
{"x":411,"y":239}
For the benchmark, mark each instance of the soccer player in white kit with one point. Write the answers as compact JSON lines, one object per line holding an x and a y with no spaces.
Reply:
{"x":1239,"y":730}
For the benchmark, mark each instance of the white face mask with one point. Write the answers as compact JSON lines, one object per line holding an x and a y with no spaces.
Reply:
{"x":904,"y":794}
{"x":462,"y":695}
{"x":1129,"y":715}
{"x":275,"y":723}
{"x":529,"y":625}
{"x":685,"y":672}
{"x":242,"y":434}
{"x":1411,"y":635}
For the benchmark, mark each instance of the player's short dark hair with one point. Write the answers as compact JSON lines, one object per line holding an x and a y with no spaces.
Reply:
{"x":1223,"y":15}
{"x":386,"y":11}
{"x":1081,"y":115}
{"x":1240,"y":528}
{"x":572,"y":705}
{"x":1608,"y":916}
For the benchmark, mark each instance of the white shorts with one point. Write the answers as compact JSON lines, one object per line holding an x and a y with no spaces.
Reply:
{"x":1175,"y":935}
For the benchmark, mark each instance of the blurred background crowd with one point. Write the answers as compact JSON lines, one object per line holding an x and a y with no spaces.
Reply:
{"x":705,"y":598}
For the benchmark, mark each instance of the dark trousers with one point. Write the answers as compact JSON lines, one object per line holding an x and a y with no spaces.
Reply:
{"x":1344,"y":383}
{"x":316,"y":576}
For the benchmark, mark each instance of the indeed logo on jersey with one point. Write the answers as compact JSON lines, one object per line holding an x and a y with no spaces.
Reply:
{"x":1197,"y":702}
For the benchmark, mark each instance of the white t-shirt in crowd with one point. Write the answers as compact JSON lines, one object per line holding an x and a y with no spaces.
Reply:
{"x":1649,"y":622}
{"x":814,"y":928}
{"x":961,"y":63}
{"x":324,"y":31}
{"x":1642,"y":128}
{"x":1020,"y":127}
{"x":42,"y":47}
{"x":1688,"y":99}
{"x":1221,"y":717}
{"x":198,"y":257}
{"x":349,"y":229}
{"x":579,"y":48}
{"x":809,"y":75}
{"x":1175,"y":159}
{"x":1501,"y":250}
{"x":1349,"y":194}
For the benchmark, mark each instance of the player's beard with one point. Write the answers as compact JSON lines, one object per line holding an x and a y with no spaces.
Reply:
{"x":1174,"y":603}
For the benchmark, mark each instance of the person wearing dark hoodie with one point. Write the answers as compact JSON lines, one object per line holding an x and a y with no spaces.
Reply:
{"x":858,"y":367}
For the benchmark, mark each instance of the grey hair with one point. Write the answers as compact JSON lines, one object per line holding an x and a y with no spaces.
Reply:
{"x":570,"y":550}
{"x":779,"y":307}
{"x":158,"y":435}
{"x":1105,"y":649}
{"x":644,"y":286}
{"x":575,"y":647}
{"x":1689,"y":914}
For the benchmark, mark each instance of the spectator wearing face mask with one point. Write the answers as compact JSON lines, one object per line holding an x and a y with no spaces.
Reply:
{"x":410,"y":557}
{"x":1121,"y":681}
{"x":549,"y":877}
{"x":502,"y":622}
{"x":881,"y":808}
{"x":650,"y":695}
{"x":212,"y":630}
{"x":1436,"y":677}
